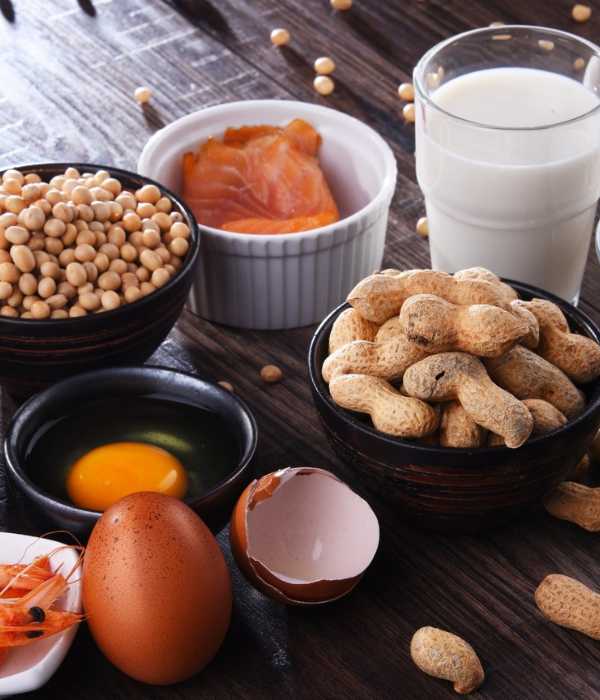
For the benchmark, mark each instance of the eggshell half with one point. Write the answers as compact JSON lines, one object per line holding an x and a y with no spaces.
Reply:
{"x":302,"y":536}
{"x":156,"y":589}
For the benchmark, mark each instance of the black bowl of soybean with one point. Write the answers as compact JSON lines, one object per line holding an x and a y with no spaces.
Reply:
{"x":449,"y":489}
{"x":35,"y":353}
{"x":208,"y":429}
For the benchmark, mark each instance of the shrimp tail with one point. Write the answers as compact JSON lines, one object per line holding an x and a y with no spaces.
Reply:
{"x":45,"y":594}
{"x":23,"y":577}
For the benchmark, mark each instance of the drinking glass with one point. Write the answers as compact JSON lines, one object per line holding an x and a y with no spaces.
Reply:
{"x":516,"y":191}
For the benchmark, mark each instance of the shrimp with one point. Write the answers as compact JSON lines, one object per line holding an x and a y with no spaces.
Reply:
{"x":24,"y":620}
{"x":17,"y":579}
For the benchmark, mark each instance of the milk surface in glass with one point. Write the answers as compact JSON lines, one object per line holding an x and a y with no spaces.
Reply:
{"x":518,"y":195}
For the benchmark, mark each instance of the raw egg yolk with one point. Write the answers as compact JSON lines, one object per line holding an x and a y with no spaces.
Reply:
{"x":110,"y":472}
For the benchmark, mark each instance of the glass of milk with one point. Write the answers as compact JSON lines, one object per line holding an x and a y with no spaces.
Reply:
{"x":508,"y":153}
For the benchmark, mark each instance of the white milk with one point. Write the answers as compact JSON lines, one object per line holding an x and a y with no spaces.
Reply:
{"x":519,"y":202}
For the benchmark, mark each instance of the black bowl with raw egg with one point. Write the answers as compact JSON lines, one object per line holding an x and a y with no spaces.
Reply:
{"x":37,"y":352}
{"x":90,"y":439}
{"x":451,"y":489}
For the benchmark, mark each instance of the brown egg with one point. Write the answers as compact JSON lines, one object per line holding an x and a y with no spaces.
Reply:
{"x":156,"y":589}
{"x":302,"y":536}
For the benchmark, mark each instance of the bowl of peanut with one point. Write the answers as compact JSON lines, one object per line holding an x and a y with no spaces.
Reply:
{"x":95,"y":267}
{"x":464,"y":399}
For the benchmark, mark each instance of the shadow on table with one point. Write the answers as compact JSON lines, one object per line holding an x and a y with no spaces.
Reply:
{"x":8,"y":10}
{"x":360,"y":23}
{"x":202,"y":14}
{"x":295,"y":59}
{"x":152,"y":116}
{"x":386,"y":122}
{"x":88,"y":7}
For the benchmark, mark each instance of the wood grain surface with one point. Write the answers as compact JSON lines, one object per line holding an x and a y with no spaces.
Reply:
{"x":67,"y":73}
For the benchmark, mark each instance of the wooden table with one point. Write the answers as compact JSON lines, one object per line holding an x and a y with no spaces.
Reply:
{"x":67,"y":73}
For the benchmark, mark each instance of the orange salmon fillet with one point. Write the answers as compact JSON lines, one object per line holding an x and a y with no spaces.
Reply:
{"x":260,"y":179}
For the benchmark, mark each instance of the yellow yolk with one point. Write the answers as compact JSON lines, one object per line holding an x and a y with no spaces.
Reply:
{"x":110,"y":472}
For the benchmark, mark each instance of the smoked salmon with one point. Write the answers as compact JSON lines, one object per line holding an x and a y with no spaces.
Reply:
{"x":260,"y":179}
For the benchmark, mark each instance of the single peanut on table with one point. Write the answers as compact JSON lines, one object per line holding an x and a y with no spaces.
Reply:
{"x":576,"y":503}
{"x":445,"y":655}
{"x":569,"y":603}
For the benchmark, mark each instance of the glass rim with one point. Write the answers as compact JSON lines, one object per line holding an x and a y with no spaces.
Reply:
{"x":419,"y":73}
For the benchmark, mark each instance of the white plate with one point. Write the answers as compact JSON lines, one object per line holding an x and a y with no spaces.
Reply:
{"x":30,"y":667}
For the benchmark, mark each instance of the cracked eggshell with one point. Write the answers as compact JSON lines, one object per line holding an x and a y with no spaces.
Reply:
{"x":302,"y":536}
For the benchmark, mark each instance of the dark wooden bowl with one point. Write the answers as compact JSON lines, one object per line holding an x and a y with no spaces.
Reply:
{"x":33,"y":353}
{"x":214,"y":506}
{"x":456,"y":490}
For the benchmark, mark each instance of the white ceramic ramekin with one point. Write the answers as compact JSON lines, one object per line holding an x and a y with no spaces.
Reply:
{"x":288,"y":280}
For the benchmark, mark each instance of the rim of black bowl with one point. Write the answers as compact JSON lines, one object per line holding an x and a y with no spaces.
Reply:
{"x":319,"y":385}
{"x":24,"y":412}
{"x":121,"y":174}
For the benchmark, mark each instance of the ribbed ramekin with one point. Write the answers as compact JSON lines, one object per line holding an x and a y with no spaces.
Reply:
{"x":288,"y":280}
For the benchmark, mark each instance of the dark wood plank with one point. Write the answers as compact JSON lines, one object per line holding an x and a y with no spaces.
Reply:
{"x":67,"y":73}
